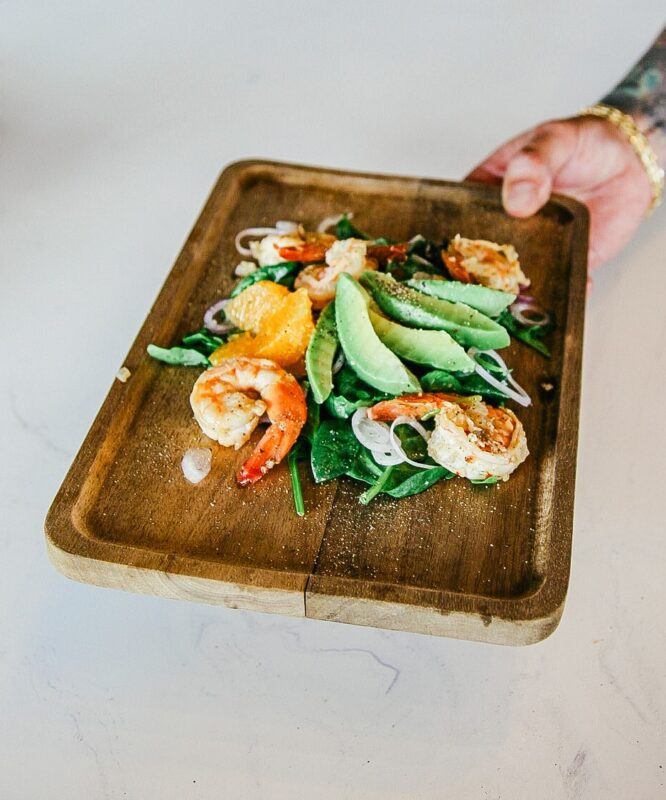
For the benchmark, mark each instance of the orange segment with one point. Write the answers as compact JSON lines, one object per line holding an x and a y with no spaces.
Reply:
{"x":278,"y":324}
{"x":249,"y":309}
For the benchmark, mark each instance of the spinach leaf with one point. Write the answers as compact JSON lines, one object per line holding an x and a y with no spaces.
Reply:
{"x":314,"y":415}
{"x":340,"y":407}
{"x":203,"y":341}
{"x":283,"y":273}
{"x":428,"y":249}
{"x":403,"y":480}
{"x":407,"y":480}
{"x":412,"y":443}
{"x":417,"y":245}
{"x":490,"y":365}
{"x":377,"y":486}
{"x":350,"y":393}
{"x":297,"y":489}
{"x":405,"y":270}
{"x":530,"y":336}
{"x":439,"y":380}
{"x":345,"y":230}
{"x":334,"y":448}
{"x":178,"y":356}
{"x":493,"y":479}
{"x":364,"y":467}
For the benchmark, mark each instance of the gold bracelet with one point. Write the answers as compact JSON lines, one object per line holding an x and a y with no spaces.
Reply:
{"x":638,"y":140}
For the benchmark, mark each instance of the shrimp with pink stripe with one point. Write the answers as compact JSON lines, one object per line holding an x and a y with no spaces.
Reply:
{"x":471,"y":438}
{"x":230,"y":399}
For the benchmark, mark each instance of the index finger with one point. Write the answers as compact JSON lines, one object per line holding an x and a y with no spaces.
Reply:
{"x":491,"y":169}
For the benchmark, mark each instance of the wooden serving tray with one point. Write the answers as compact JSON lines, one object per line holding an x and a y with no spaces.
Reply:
{"x":485,"y":563}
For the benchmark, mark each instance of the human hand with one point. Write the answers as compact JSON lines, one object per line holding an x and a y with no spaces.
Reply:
{"x":585,"y":157}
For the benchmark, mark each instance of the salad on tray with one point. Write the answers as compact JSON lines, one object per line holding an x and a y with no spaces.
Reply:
{"x":367,"y":358}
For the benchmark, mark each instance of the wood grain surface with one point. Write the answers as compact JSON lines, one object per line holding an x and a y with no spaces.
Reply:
{"x":486,"y":563}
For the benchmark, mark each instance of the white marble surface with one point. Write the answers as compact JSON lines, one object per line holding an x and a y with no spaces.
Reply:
{"x":116,"y":118}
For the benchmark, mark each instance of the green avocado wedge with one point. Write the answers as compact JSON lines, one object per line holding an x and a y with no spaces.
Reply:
{"x":320,"y":354}
{"x":490,"y":302}
{"x":434,"y":348}
{"x":371,"y":360}
{"x":466,"y":325}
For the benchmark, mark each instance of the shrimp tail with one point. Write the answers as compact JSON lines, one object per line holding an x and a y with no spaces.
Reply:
{"x":306,"y":253}
{"x":389,"y":252}
{"x":274,"y":446}
{"x":288,"y":415}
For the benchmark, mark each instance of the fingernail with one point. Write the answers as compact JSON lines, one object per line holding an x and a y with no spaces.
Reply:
{"x":521,"y":197}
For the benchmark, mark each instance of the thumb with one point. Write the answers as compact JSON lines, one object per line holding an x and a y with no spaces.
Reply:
{"x":530,"y":174}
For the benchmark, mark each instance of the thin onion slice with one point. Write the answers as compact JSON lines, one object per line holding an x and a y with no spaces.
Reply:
{"x":527,"y":305}
{"x":414,"y":423}
{"x":420,"y":260}
{"x":386,"y":459}
{"x":212,"y":324}
{"x":339,"y":363}
{"x":282,"y":226}
{"x":329,"y":222}
{"x":196,"y":463}
{"x":375,"y":436}
{"x":254,"y":233}
{"x":382,"y":441}
{"x":371,"y":434}
{"x":397,"y":446}
{"x":516,"y":393}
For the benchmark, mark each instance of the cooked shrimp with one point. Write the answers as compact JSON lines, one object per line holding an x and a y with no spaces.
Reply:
{"x":388,"y":252}
{"x":487,"y":263}
{"x":471,"y":438}
{"x":313,"y":247}
{"x":344,"y":255}
{"x":298,"y":246}
{"x":229,"y":400}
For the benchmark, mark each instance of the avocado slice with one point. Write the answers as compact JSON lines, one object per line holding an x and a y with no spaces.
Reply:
{"x":435,"y":348}
{"x":490,"y":302}
{"x":372,"y":361}
{"x":320,"y":354}
{"x":467,"y":326}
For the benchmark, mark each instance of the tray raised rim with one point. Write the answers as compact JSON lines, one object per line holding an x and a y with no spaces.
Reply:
{"x":519,"y":620}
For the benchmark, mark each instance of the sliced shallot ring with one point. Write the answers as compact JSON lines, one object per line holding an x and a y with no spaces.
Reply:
{"x":339,"y":363}
{"x":370,"y":433}
{"x":286,"y":226}
{"x":196,"y":463}
{"x":414,"y":423}
{"x":212,"y":324}
{"x":391,"y":459}
{"x":375,"y":438}
{"x":420,"y":260}
{"x":537,"y":315}
{"x":395,"y":442}
{"x":282,"y":226}
{"x":255,"y":233}
{"x":516,"y":393}
{"x":329,"y":222}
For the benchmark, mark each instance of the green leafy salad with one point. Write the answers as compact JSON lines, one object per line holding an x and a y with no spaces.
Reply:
{"x":370,"y":359}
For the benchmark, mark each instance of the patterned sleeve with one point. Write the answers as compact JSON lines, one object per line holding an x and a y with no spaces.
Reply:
{"x":642,"y":93}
